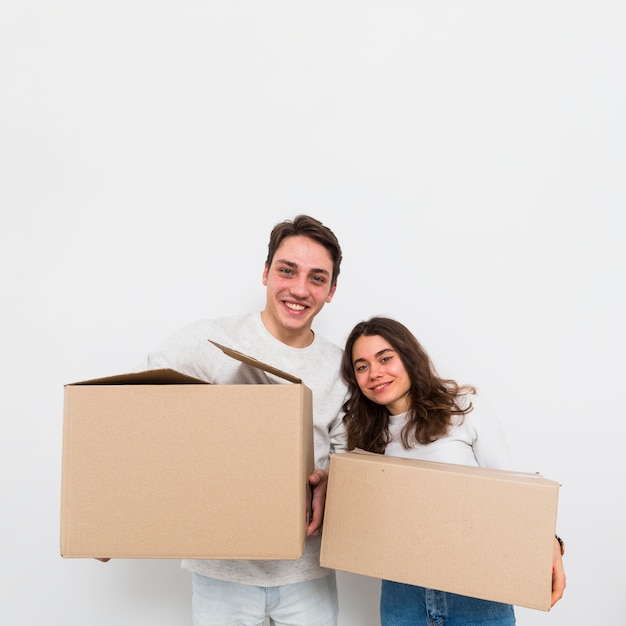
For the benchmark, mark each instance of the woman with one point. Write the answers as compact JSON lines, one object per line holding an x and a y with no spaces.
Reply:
{"x":398,"y":405}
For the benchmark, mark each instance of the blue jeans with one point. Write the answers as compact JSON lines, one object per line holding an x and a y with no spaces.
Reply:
{"x":222,"y":603}
{"x":408,"y":605}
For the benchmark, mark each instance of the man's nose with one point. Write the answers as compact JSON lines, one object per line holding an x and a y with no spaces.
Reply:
{"x":300,"y":287}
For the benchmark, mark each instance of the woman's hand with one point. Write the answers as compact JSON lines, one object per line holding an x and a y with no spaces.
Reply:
{"x":558,"y":574}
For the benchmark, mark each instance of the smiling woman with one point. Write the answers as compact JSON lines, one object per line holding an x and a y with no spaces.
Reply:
{"x":398,"y":405}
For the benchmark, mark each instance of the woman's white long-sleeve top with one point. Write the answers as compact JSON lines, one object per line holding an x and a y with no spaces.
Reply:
{"x":475,"y":439}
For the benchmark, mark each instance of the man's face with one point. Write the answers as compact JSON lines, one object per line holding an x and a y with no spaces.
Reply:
{"x":299,"y":284}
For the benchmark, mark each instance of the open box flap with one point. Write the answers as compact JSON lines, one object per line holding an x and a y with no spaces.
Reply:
{"x":164,"y":376}
{"x":244,"y":358}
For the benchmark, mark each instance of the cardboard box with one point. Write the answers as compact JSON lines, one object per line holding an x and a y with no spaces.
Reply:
{"x":472,"y":531}
{"x":160,"y":465}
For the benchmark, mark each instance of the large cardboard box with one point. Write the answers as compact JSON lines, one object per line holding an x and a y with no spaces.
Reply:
{"x":160,"y":465}
{"x":473,"y":531}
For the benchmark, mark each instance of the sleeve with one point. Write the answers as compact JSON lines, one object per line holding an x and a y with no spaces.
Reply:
{"x":490,"y":445}
{"x":338,"y":435}
{"x":188,"y":351}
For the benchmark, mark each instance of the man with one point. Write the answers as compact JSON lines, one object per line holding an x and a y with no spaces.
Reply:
{"x":300,"y":276}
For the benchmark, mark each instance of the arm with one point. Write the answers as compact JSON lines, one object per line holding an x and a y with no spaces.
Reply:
{"x":491,"y":450}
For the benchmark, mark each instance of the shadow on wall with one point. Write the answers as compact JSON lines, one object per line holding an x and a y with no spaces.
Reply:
{"x":358,"y":600}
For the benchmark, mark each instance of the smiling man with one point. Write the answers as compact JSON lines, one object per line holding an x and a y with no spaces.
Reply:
{"x":300,"y":276}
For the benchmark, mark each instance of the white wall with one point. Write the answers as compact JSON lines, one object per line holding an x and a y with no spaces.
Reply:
{"x":470,"y":157}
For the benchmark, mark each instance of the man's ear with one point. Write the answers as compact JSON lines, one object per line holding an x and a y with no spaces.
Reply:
{"x":265,"y":273}
{"x":331,"y":293}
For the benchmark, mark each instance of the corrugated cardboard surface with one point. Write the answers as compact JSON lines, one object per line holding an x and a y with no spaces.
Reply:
{"x":473,"y":531}
{"x":185,"y":470}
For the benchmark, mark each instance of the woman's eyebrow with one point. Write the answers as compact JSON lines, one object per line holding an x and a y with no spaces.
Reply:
{"x":379,"y":353}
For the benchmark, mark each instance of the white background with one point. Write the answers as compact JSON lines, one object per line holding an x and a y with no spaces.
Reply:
{"x":469,"y":156}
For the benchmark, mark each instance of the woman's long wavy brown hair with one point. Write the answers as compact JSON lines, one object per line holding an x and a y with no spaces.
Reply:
{"x":432,"y":399}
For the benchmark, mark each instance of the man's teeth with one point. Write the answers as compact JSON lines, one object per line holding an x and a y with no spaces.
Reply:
{"x":294,"y":307}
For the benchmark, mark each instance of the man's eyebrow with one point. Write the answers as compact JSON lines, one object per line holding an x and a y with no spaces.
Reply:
{"x":320,"y":271}
{"x":296,"y":266}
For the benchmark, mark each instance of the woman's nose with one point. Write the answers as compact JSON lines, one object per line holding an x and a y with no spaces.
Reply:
{"x":375,"y":371}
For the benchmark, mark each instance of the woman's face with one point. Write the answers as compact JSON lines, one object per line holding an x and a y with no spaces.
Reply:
{"x":380,"y":373}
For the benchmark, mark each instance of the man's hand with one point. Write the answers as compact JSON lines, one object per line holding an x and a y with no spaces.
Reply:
{"x":318,"y":481}
{"x":558,"y":574}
